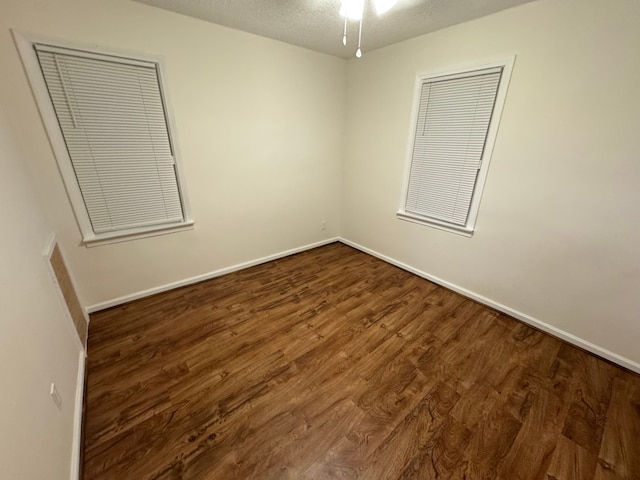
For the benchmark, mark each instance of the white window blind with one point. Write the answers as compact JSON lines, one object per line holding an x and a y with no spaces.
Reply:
{"x":454,"y":115}
{"x":111,"y":115}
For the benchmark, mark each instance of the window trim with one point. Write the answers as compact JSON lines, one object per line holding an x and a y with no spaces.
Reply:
{"x":25,"y":44}
{"x":467,"y":230}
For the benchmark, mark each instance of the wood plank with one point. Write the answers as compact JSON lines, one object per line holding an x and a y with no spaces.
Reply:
{"x":619,"y":456}
{"x":411,"y":436}
{"x":442,"y":456}
{"x":69,"y":293}
{"x":571,"y":462}
{"x":491,"y":440}
{"x":530,"y":455}
{"x":590,"y":400}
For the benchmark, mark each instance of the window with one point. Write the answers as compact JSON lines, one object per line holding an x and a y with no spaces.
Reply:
{"x":456,"y":121}
{"x":107,"y":118}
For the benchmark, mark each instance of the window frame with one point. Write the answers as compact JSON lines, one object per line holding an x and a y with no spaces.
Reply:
{"x":469,"y":228}
{"x":25,"y":44}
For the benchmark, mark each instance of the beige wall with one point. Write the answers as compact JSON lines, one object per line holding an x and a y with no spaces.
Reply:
{"x":259,"y":124}
{"x":558,"y":234}
{"x":37,"y":344}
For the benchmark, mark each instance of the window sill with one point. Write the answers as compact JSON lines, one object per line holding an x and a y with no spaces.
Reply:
{"x":125,"y":236}
{"x":429,"y":222}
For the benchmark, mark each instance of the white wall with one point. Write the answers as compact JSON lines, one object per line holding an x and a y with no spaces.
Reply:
{"x":259,"y":124}
{"x":37,"y":344}
{"x":558,"y":234}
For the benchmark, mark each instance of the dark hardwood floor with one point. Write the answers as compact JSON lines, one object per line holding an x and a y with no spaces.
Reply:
{"x":334,"y":364}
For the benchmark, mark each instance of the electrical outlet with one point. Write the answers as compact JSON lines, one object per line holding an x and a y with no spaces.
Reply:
{"x":55,"y":396}
{"x":323,"y":225}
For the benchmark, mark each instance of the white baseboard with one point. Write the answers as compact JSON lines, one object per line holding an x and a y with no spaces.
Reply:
{"x":205,"y":276}
{"x":534,"y":322}
{"x":77,"y":420}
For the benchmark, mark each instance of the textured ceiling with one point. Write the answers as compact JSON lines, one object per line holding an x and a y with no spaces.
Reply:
{"x":315,"y":24}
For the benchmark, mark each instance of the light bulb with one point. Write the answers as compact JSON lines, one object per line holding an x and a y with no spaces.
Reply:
{"x":344,"y":34}
{"x":383,"y":6}
{"x":352,"y":9}
{"x":358,"y":53}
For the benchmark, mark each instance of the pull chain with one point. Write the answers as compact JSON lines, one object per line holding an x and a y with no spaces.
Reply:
{"x":359,"y":52}
{"x":344,"y":35}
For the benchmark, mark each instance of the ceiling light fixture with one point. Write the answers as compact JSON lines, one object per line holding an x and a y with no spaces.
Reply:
{"x":354,"y":10}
